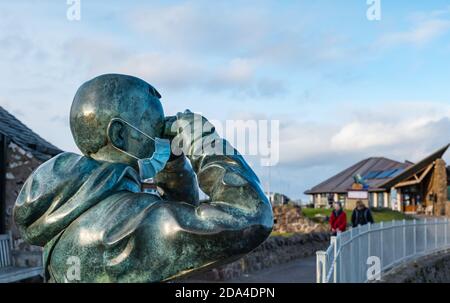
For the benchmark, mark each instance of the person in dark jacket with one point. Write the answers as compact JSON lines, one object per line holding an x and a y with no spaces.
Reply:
{"x":338,"y":219}
{"x":361,"y":215}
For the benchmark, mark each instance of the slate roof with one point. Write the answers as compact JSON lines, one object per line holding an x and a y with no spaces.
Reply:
{"x":24,"y":137}
{"x":343,"y":181}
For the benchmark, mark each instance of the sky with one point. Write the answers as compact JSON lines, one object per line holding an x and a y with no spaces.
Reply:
{"x":343,"y":87}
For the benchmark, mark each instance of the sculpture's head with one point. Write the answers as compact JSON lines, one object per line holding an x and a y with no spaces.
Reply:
{"x":94,"y":124}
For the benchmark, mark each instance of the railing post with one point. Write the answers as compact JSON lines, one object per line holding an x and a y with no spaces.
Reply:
{"x":393,"y":240}
{"x":425,"y":239}
{"x":321,"y":261}
{"x":368,"y":238}
{"x":352,"y":259}
{"x":334,"y":243}
{"x":381,"y":242}
{"x":446,"y":231}
{"x":404,"y":238}
{"x":415,"y":236}
{"x":359,"y":255}
{"x":435,"y":233}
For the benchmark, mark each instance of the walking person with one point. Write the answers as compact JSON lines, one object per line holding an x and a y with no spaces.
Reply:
{"x":361,"y":215}
{"x":338,"y":219}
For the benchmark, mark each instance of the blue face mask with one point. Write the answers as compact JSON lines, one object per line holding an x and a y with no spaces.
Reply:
{"x":149,"y":167}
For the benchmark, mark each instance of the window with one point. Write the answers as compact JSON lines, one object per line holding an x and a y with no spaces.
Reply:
{"x":380,"y":200}
{"x":371,"y":199}
{"x":390,"y":173}
{"x":371,"y":175}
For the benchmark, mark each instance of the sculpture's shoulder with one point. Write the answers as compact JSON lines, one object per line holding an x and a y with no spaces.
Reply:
{"x":66,"y":162}
{"x":62,"y":189}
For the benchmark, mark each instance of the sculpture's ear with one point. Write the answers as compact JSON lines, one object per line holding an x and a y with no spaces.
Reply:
{"x":116,"y":133}
{"x":154,"y":92}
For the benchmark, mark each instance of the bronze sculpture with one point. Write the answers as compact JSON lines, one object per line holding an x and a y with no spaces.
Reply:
{"x":92,"y":207}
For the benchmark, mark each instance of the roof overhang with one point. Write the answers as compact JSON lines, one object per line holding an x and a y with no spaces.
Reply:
{"x":423,"y":165}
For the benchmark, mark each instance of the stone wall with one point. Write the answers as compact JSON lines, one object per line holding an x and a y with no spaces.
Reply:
{"x":20,"y":165}
{"x":275,"y":250}
{"x":289,"y":219}
{"x":438,"y":186}
{"x":428,"y":269}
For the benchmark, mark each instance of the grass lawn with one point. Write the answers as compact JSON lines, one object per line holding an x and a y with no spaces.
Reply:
{"x":379,"y":214}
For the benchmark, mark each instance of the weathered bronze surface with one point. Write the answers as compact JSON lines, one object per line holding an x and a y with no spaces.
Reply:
{"x":91,"y":208}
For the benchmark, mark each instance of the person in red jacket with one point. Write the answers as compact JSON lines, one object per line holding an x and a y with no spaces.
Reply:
{"x":338,"y":219}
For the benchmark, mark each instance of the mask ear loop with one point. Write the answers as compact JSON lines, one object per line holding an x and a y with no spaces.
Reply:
{"x":133,"y":127}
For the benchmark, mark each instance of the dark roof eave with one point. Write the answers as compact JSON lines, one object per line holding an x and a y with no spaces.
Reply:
{"x":310,"y":192}
{"x":415,"y":168}
{"x":24,"y":137}
{"x":315,"y":192}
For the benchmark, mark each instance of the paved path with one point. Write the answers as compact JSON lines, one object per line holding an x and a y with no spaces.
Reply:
{"x":297,"y":271}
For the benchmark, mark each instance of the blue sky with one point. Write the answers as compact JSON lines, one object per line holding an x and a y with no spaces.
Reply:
{"x":344,"y":88}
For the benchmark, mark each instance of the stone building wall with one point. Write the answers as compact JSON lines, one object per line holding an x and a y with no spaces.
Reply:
{"x":20,"y":164}
{"x":438,"y":186}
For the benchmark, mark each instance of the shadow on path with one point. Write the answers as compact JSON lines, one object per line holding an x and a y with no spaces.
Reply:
{"x":297,"y":271}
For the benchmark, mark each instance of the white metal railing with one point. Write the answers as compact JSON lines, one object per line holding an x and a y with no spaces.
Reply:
{"x":364,"y":253}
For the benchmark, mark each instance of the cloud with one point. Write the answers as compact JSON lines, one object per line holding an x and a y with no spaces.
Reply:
{"x":426,"y":27}
{"x":400,"y":130}
{"x":203,"y":54}
{"x":310,"y":152}
{"x":202,"y":26}
{"x":242,"y":45}
{"x":420,"y":35}
{"x":175,"y":71}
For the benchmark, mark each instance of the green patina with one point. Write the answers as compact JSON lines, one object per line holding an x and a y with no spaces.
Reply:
{"x":91,"y":207}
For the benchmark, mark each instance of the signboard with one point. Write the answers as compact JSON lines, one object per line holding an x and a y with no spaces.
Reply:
{"x":358,"y":195}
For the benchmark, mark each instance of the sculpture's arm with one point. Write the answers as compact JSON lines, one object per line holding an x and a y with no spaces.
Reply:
{"x":178,"y":181}
{"x":238,"y":218}
{"x":176,"y":238}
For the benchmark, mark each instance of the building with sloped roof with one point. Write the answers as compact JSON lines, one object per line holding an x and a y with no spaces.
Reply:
{"x":381,"y":182}
{"x":24,"y":137}
{"x":21,"y":152}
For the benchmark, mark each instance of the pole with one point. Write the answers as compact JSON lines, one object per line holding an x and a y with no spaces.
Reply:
{"x":415,"y":236}
{"x":435,"y":233}
{"x":381,"y":243}
{"x":425,"y":237}
{"x":393,"y":240}
{"x":404,"y":238}
{"x":351,"y":255}
{"x":321,"y":261}
{"x":268,"y":187}
{"x":446,"y":231}
{"x":334,"y":243}
{"x":369,"y":231}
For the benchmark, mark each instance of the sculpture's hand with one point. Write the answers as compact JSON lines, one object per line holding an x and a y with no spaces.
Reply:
{"x":176,"y":125}
{"x":168,"y":132}
{"x":177,"y":179}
